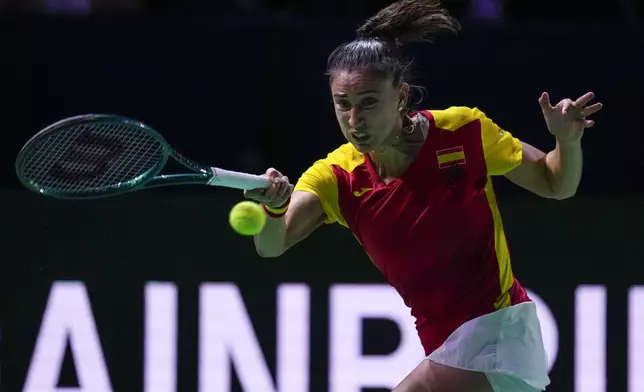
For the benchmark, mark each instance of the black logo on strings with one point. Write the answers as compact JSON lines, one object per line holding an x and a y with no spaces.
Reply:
{"x":87,"y":158}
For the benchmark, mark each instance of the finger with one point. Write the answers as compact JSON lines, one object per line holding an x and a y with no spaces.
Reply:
{"x":583,"y":100}
{"x":288,"y":189}
{"x":544,"y":101}
{"x":279,"y":186}
{"x":284,"y":186}
{"x":589,"y":123}
{"x":566,"y":106}
{"x":273,"y":173}
{"x":262,"y":194}
{"x":276,"y":197}
{"x":592,"y":109}
{"x":272,"y":191}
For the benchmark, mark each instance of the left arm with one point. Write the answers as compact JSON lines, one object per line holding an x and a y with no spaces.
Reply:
{"x":555,"y":175}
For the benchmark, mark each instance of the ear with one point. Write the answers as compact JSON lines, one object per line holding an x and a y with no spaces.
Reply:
{"x":403,"y":96}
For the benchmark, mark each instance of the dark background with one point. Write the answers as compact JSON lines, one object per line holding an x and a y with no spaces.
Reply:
{"x":243,"y":87}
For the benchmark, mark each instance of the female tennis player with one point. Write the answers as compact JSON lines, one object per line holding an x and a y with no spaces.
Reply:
{"x":415,"y":189}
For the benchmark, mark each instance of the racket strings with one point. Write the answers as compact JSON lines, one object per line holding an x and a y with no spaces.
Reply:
{"x":142,"y":154}
{"x":91,"y":156}
{"x":52,"y":148}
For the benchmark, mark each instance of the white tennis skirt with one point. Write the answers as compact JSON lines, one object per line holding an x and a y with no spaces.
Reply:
{"x":506,"y":345}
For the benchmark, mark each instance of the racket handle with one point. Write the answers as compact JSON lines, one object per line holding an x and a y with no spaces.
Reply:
{"x":237,"y":180}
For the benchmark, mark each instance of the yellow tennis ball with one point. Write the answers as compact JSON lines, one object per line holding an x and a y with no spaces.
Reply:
{"x":247,"y":218}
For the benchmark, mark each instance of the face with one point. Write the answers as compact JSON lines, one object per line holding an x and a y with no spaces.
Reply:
{"x":367,"y":107}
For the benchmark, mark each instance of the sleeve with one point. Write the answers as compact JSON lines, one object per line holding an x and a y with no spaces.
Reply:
{"x":320,"y":180}
{"x":503,"y":152}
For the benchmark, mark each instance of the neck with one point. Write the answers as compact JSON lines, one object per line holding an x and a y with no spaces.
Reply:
{"x":391,"y":163}
{"x":393,"y":157}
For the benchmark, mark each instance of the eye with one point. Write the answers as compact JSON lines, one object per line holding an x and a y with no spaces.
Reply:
{"x":343,"y":105}
{"x":369,"y":102}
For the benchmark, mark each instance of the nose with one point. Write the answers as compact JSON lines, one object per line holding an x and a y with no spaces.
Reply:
{"x":355,"y":118}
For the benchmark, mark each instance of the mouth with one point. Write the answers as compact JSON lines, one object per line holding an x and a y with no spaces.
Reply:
{"x":360,"y":137}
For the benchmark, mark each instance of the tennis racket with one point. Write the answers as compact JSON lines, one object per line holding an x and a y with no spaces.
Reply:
{"x":97,"y":155}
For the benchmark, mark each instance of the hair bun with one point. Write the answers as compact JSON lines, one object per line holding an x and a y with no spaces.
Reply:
{"x":407,"y":21}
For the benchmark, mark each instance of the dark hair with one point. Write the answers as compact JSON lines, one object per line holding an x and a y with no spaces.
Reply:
{"x":379,"y":43}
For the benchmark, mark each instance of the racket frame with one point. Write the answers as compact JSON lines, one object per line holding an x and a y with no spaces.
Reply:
{"x":202,"y":175}
{"x":150,"y":178}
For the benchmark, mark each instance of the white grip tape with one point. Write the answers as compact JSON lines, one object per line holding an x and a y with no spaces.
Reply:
{"x":237,"y":180}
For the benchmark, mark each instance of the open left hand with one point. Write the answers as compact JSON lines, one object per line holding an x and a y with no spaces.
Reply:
{"x":568,"y":119}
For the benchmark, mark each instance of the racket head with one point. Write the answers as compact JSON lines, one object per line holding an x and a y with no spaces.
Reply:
{"x":91,"y":156}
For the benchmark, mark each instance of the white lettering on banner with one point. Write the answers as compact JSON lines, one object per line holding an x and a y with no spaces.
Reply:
{"x":160,"y":338}
{"x":227,"y":338}
{"x":590,"y":339}
{"x":226,"y":335}
{"x":549,"y":329}
{"x":349,"y":369}
{"x":636,"y":339}
{"x":68,"y":318}
{"x":293,"y":337}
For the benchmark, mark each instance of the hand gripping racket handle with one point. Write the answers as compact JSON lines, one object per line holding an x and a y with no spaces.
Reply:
{"x":237,"y":180}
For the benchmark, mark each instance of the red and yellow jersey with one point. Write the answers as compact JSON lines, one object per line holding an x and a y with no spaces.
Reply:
{"x":436,"y":232}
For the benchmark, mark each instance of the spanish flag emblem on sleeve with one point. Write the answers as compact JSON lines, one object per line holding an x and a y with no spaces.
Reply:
{"x":450,"y":157}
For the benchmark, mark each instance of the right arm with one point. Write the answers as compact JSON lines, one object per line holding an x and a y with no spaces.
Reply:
{"x":304,"y":215}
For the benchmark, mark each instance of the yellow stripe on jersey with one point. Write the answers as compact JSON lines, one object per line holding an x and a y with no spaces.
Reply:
{"x":503,"y":152}
{"x":320,"y":179}
{"x":506,"y":277}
